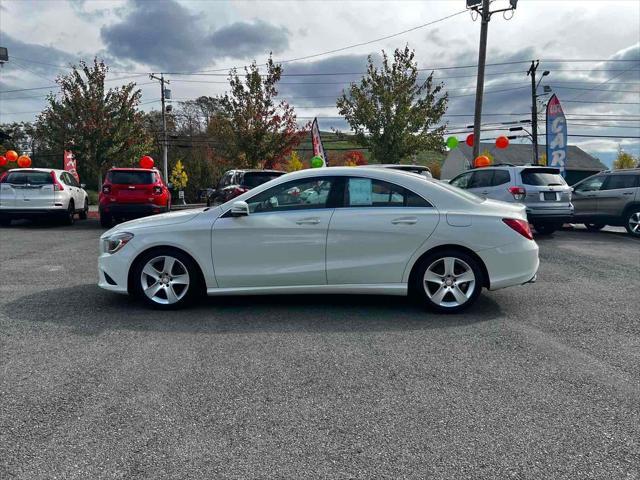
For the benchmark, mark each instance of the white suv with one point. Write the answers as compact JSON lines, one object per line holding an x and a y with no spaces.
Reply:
{"x":38,"y":192}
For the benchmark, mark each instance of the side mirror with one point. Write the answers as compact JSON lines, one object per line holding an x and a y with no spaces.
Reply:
{"x":83,"y":185}
{"x":239,"y":209}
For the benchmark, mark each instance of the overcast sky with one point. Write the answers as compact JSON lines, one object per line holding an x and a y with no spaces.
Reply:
{"x":139,"y":36}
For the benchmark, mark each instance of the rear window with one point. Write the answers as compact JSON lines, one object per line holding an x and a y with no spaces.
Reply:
{"x":542,"y":178}
{"x":32,"y":178}
{"x":253,"y":179}
{"x":130,"y":177}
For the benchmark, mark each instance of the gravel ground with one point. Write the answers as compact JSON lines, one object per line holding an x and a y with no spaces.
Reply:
{"x":539,"y":381}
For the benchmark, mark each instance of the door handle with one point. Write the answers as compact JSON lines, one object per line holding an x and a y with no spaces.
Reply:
{"x":628,"y":193}
{"x":404,"y":221}
{"x":308,"y":221}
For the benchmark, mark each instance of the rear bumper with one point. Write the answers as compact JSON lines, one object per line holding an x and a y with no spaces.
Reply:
{"x":556,"y":215}
{"x":131,"y":210}
{"x":513,"y":264}
{"x":31,"y":212}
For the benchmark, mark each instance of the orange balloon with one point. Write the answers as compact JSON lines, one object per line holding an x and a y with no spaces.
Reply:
{"x":3,"y":160}
{"x":24,"y":161}
{"x":502,"y":142}
{"x":482,"y":161}
{"x":11,"y":155}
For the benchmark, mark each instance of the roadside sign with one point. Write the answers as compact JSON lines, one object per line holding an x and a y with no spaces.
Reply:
{"x":556,"y":135}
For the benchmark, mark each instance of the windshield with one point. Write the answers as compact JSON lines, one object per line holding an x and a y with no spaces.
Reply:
{"x":459,"y":191}
{"x":253,"y":179}
{"x":542,"y":178}
{"x":31,"y":178}
{"x":130,"y":177}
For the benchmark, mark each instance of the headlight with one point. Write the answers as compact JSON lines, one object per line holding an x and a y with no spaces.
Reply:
{"x":115,"y":242}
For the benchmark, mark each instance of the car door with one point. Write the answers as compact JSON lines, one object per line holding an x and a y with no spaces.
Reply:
{"x":498,"y":184}
{"x":585,"y":197}
{"x":372,"y":238}
{"x":616,"y":192}
{"x":76,"y":191}
{"x":282,"y":242}
{"x":481,"y":183}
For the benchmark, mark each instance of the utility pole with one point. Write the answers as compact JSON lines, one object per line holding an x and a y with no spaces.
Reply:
{"x":485,"y":16}
{"x":534,"y":106}
{"x":164,"y":125}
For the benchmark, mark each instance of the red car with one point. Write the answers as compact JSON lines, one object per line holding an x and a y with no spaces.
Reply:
{"x":131,"y":193}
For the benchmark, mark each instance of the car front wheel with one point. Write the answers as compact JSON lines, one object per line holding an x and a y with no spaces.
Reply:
{"x":84,"y":213}
{"x":633,"y":222}
{"x":165,"y":279}
{"x":449,"y":281}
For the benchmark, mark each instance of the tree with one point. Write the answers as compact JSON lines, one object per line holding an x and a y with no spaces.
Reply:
{"x":102,"y":127}
{"x":294,"y":163}
{"x":624,"y":160}
{"x":354,"y":158}
{"x":391,"y":112}
{"x":178,"y":176}
{"x":253,"y":129}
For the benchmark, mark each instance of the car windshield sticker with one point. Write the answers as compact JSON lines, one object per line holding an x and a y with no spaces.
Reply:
{"x":360,"y":191}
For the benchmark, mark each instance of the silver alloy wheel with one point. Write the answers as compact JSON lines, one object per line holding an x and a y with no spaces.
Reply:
{"x":165,"y":280}
{"x":449,"y":282}
{"x":634,"y":223}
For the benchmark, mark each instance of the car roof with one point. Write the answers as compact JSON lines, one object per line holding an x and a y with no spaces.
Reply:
{"x":128,"y":169}
{"x":623,"y":171}
{"x":37,"y":169}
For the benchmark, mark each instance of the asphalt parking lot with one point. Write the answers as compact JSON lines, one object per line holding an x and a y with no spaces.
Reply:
{"x":538,"y":381}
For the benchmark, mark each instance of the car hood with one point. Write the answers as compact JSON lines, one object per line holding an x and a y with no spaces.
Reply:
{"x":161,"y":220}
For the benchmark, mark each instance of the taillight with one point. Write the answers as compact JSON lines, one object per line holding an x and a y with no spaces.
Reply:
{"x":157,"y":190}
{"x":517,"y":192}
{"x":106,"y":189}
{"x":3,"y":177}
{"x":57,"y":186}
{"x":520,"y":226}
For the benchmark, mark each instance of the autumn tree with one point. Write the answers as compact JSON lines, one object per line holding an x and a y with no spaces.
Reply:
{"x":101,"y":126}
{"x":624,"y":160}
{"x":253,"y":129}
{"x":392,"y":112}
{"x":294,"y":164}
{"x":354,"y":158}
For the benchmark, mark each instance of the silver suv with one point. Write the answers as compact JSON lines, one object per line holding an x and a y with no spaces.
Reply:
{"x":609,"y":198}
{"x":542,"y":190}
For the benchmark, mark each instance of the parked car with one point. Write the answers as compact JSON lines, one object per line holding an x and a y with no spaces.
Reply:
{"x":131,"y":193}
{"x":542,"y":190}
{"x":377,"y":231}
{"x":237,"y":182}
{"x":41,"y":192}
{"x":609,"y":198}
{"x":419,"y":169}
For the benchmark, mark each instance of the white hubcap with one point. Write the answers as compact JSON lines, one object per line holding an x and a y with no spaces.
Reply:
{"x":449,"y":282}
{"x":165,"y":280}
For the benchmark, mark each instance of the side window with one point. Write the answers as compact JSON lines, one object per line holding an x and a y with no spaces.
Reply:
{"x":462,"y":181}
{"x":481,"y":179}
{"x":590,"y":185}
{"x":614,"y":182}
{"x":66,"y":179}
{"x":500,"y":177}
{"x":367,"y":192}
{"x":300,"y":194}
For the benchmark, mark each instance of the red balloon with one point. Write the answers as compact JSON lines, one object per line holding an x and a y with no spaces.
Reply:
{"x":482,"y":161}
{"x":3,"y":160}
{"x":24,"y":161}
{"x":11,"y":155}
{"x":502,"y":142}
{"x":146,"y":162}
{"x":469,"y":140}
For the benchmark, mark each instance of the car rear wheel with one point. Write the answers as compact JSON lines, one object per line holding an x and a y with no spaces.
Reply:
{"x":449,"y":281}
{"x":84,"y":213}
{"x":594,"y":227}
{"x":545,"y":228}
{"x":106,"y":220}
{"x":166,"y":279}
{"x":633,"y":222}
{"x":70,"y":214}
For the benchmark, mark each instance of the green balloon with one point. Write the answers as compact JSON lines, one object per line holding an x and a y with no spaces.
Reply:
{"x":316,"y":162}
{"x":452,"y":142}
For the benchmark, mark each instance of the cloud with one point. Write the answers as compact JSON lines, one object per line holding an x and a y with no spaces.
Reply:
{"x":245,"y":40}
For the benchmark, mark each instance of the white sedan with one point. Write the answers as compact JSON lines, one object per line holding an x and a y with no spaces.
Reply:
{"x":329,"y":230}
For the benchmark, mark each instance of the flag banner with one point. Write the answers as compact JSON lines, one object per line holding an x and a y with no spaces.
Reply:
{"x":556,"y":135}
{"x":70,"y":164}
{"x":316,"y":141}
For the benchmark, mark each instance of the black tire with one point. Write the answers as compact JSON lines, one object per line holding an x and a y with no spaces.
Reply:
{"x":106,"y":220}
{"x":70,"y":214}
{"x":631,"y":217}
{"x":545,"y":228}
{"x":594,"y":227}
{"x":194,"y":289}
{"x":84,"y":213}
{"x":420,"y":286}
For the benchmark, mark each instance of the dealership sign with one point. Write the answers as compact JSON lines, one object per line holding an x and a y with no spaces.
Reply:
{"x":316,"y":142}
{"x":556,"y":135}
{"x":70,"y":164}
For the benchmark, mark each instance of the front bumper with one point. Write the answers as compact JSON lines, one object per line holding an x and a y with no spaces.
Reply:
{"x":113,"y":269}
